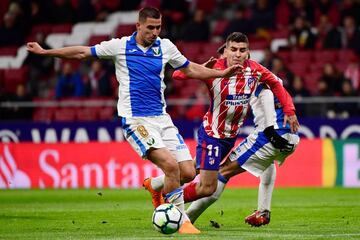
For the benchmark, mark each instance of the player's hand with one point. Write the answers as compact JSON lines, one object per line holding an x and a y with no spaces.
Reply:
{"x":210,"y":63}
{"x":34,"y":47}
{"x":233,"y":70}
{"x":293,"y":122}
{"x":278,"y":141}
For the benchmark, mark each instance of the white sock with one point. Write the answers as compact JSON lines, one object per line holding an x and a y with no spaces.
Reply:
{"x":266,"y":187}
{"x":176,"y":197}
{"x":157,"y":183}
{"x":197,"y":207}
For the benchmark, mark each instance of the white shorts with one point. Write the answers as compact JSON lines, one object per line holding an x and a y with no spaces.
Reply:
{"x":255,"y":153}
{"x":144,"y":133}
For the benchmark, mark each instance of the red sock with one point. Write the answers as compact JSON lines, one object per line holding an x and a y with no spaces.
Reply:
{"x":190,"y":193}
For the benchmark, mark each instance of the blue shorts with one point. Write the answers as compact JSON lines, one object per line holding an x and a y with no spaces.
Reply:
{"x":211,"y":151}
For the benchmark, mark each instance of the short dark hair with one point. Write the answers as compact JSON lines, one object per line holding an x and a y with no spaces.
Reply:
{"x":221,"y":49}
{"x":149,"y":12}
{"x":237,"y":37}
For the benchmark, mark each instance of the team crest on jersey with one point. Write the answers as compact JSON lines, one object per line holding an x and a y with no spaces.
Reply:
{"x":142,"y":130}
{"x":251,"y":82}
{"x":156,"y":51}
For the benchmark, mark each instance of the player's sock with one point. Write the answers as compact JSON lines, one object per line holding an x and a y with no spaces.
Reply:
{"x":176,"y":197}
{"x":157,"y":183}
{"x":199,"y":206}
{"x":190,"y":192}
{"x":266,"y":187}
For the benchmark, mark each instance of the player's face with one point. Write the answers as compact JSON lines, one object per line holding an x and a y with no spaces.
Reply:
{"x":148,"y":31}
{"x":236,"y":53}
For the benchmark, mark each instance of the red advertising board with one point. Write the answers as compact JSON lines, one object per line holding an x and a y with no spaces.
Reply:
{"x":116,"y":165}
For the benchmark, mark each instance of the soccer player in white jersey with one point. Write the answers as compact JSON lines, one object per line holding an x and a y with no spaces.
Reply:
{"x":270,"y":142}
{"x":140,"y":61}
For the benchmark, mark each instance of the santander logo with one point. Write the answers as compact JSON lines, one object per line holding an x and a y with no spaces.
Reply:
{"x":10,"y":175}
{"x":88,"y":165}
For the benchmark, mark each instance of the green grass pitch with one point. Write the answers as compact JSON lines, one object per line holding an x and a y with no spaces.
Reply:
{"x":297,"y":213}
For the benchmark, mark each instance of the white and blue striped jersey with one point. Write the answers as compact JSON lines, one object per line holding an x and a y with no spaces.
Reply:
{"x":267,"y":110}
{"x":140,"y":73}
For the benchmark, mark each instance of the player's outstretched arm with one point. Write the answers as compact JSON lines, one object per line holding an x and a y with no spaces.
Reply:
{"x":179,"y":75}
{"x":74,"y":52}
{"x":197,"y":71}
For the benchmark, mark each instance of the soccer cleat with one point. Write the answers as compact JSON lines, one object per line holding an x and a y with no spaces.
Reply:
{"x":188,"y":228}
{"x":258,"y":218}
{"x":157,"y":198}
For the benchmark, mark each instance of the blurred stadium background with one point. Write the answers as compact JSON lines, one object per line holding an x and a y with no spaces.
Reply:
{"x":58,"y":124}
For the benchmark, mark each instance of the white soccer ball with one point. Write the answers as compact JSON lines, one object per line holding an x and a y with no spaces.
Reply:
{"x":167,"y":218}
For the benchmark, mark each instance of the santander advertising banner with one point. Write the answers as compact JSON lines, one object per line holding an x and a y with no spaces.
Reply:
{"x":116,"y":165}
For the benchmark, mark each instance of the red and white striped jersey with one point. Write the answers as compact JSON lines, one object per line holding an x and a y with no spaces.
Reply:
{"x":230,"y":97}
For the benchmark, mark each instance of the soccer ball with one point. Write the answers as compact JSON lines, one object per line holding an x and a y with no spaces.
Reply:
{"x":167,"y":218}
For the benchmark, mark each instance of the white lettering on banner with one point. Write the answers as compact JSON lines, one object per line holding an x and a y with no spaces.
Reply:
{"x":103,"y":135}
{"x":97,"y":169}
{"x":10,"y":175}
{"x":7,"y":136}
{"x":111,"y":167}
{"x":93,"y":174}
{"x":327,"y":131}
{"x":131,"y":176}
{"x":51,"y":136}
{"x":70,"y":173}
{"x":350,"y":130}
{"x":35,"y":135}
{"x":48,"y":169}
{"x":351,"y":165}
{"x":306,"y":132}
{"x":65,"y":135}
{"x":80,"y":135}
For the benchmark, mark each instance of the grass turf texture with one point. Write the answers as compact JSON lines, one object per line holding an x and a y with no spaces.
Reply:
{"x":297,"y":213}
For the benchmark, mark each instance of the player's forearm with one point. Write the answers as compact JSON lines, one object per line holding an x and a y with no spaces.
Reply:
{"x":197,"y":71}
{"x":74,"y":52}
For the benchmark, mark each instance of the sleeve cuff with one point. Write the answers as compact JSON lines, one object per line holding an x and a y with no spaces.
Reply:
{"x":184,"y":65}
{"x":93,"y":51}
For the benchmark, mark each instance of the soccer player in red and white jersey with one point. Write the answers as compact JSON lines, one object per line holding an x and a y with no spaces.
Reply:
{"x":228,"y":108}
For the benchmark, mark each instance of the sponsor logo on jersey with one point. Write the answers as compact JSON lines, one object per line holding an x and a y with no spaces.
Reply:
{"x":237,"y":100}
{"x":150,"y":142}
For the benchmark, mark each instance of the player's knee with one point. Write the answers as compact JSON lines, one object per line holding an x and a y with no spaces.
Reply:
{"x":171,"y":168}
{"x":268,"y":176}
{"x":188,"y":175}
